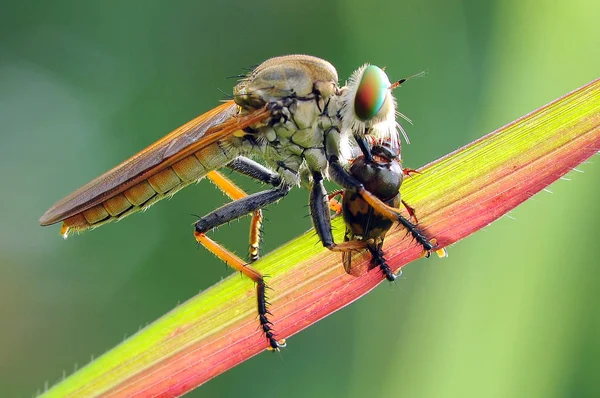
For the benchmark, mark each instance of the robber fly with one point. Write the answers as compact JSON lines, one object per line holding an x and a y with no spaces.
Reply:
{"x":291,"y":113}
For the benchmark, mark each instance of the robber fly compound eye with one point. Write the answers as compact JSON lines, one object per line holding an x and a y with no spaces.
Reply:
{"x":371,"y":92}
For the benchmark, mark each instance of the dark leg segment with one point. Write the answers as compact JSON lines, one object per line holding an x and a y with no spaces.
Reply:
{"x":361,"y":140}
{"x":263,"y":311}
{"x":416,"y":234}
{"x":236,"y":193}
{"x":239,"y":208}
{"x":255,"y":170}
{"x":379,"y":261}
{"x":321,"y":216}
{"x":319,"y":210}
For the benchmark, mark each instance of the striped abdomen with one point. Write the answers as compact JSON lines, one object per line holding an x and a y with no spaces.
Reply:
{"x":150,"y":190}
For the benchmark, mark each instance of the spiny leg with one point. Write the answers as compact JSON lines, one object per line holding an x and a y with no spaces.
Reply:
{"x":258,"y":172}
{"x":347,"y":181}
{"x":255,"y":170}
{"x":247,"y":204}
{"x":379,"y":261}
{"x":321,"y":216}
{"x":225,"y":214}
{"x":240,"y":207}
{"x":234,"y":192}
{"x":238,"y":264}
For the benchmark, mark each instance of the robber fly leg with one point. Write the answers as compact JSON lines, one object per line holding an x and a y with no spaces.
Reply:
{"x":236,"y":193}
{"x":239,"y":208}
{"x":255,"y":170}
{"x":243,"y":205}
{"x":321,"y":216}
{"x":238,"y":264}
{"x":363,"y":144}
{"x":347,"y":181}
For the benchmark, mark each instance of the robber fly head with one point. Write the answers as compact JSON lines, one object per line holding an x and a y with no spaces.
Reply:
{"x":369,"y":108}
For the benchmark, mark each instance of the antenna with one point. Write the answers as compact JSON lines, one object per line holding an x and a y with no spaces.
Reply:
{"x":399,"y":82}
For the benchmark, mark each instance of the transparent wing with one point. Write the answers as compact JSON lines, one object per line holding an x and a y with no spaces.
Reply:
{"x":198,"y":133}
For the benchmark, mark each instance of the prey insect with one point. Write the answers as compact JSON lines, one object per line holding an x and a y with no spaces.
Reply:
{"x":291,"y":113}
{"x":382,"y":175}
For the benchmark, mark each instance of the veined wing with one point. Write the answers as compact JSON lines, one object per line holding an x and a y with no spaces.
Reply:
{"x":209,"y":128}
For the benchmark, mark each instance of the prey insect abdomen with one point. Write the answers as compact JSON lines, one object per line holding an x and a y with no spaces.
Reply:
{"x":361,"y":218}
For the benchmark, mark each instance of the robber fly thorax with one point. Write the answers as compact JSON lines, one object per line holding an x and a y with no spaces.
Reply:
{"x":303,"y":97}
{"x":289,"y":112}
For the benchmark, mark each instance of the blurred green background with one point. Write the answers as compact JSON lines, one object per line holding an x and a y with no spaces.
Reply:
{"x":513,"y":312}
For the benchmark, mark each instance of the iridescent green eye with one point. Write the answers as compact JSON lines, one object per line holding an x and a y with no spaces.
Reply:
{"x":370,"y":93}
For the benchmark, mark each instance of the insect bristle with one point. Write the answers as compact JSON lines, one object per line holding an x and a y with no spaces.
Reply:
{"x":403,"y":116}
{"x":240,"y":77}
{"x":404,"y":134}
{"x":227,"y":95}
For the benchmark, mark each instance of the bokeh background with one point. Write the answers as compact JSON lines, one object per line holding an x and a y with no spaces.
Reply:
{"x":513,"y":312}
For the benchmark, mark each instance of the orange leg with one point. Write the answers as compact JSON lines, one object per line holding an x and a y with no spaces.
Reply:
{"x":234,"y":192}
{"x":410,"y":172}
{"x":410,"y":210}
{"x":238,"y":264}
{"x":237,"y":209}
{"x":334,"y":204}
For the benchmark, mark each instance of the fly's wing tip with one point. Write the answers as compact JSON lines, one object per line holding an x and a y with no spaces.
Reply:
{"x":48,"y":218}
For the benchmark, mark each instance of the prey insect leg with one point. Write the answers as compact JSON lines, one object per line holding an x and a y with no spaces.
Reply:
{"x":379,"y":261}
{"x":334,"y":204}
{"x":363,"y":144}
